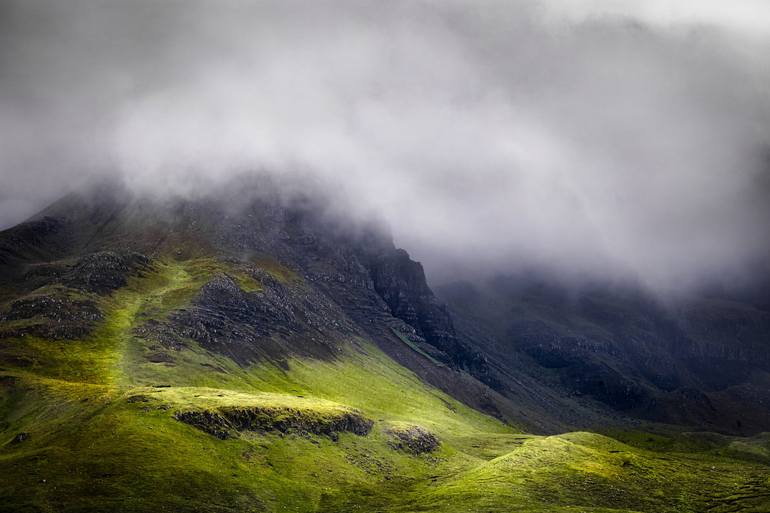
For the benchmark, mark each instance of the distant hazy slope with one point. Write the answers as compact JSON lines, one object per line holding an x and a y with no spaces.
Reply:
{"x":701,"y":361}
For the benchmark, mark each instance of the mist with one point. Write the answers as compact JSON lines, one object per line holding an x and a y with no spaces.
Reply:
{"x":592,"y":138}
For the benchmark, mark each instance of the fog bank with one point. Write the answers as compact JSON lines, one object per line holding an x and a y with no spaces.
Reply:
{"x":591,"y":138}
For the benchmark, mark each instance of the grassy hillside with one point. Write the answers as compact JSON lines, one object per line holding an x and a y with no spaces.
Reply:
{"x":114,"y":422}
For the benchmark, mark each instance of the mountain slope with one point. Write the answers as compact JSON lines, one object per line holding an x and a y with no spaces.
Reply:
{"x":699,"y":360}
{"x":195,"y":357}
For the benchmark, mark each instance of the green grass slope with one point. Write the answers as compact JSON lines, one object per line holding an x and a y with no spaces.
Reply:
{"x":91,"y":425}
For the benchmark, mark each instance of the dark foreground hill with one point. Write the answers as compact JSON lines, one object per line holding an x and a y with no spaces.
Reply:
{"x":260,"y":355}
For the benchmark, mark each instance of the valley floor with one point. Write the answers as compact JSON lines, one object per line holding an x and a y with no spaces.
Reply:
{"x":105,"y":424}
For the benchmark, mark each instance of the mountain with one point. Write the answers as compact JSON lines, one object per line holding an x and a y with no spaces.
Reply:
{"x":252,"y":351}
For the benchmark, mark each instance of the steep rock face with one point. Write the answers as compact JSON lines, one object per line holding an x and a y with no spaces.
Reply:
{"x":401,"y":283}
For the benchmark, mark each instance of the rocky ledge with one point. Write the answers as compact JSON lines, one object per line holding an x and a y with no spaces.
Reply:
{"x":226,"y":422}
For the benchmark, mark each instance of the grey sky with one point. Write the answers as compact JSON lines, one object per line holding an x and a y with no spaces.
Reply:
{"x":600,"y":137}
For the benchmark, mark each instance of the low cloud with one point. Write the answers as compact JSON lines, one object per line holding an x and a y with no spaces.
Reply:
{"x":584,"y":138}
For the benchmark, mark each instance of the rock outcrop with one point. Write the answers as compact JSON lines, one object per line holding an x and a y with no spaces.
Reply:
{"x":412,"y":439}
{"x":226,"y":422}
{"x":105,"y":271}
{"x":55,"y":316}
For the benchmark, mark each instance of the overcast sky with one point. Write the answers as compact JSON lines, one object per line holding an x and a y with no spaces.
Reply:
{"x":596,"y":137}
